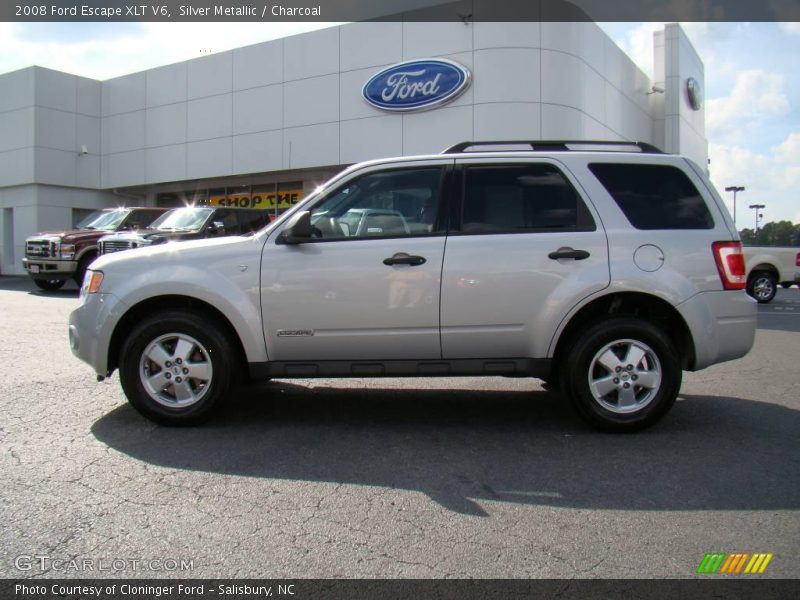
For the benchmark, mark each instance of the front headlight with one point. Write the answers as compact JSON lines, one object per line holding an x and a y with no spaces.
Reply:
{"x":91,"y":282}
{"x":67,"y":251}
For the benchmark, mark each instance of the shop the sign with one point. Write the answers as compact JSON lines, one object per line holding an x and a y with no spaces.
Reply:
{"x":416,"y":85}
{"x":280,"y":200}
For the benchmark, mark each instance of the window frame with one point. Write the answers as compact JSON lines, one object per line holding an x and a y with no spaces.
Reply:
{"x":459,"y":197}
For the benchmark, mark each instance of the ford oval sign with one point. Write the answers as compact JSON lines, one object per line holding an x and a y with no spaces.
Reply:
{"x":416,"y":85}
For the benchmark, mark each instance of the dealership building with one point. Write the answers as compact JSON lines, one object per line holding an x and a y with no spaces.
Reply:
{"x":265,"y":124}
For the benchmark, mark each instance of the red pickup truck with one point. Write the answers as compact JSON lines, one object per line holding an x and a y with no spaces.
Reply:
{"x":54,"y":257}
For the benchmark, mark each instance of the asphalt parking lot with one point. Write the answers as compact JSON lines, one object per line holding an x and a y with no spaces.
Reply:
{"x":476,"y":477}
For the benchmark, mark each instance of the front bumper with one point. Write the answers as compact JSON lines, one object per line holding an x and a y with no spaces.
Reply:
{"x":722,"y":325}
{"x":48,"y":268}
{"x":91,"y":326}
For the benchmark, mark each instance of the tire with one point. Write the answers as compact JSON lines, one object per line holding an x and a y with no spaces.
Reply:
{"x":550,"y":385}
{"x":762,"y":285}
{"x":158,"y":355}
{"x":83,"y":265}
{"x":786,"y":284}
{"x":599,"y":393}
{"x":552,"y":382}
{"x":49,"y":285}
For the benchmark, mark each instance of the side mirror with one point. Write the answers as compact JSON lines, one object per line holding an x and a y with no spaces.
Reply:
{"x":298,"y":229}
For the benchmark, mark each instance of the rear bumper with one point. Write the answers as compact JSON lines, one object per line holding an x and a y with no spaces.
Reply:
{"x":722,"y":324}
{"x":45,"y":268}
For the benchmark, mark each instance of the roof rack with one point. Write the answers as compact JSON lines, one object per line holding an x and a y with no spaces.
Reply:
{"x":556,"y":145}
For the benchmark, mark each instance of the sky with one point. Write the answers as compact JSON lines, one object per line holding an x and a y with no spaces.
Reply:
{"x":752,"y":91}
{"x":752,"y":108}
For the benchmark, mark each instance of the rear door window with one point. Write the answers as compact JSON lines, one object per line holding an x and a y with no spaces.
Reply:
{"x":654,"y":196}
{"x":518,"y":198}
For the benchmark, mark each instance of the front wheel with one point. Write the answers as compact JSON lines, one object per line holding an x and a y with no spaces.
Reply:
{"x":175,"y":368}
{"x":621,"y":374}
{"x":49,"y":285}
{"x":83,"y":266}
{"x":762,"y":286}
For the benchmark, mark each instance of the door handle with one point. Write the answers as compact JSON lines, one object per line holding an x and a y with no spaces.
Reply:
{"x":567,"y":252}
{"x":401,"y":258}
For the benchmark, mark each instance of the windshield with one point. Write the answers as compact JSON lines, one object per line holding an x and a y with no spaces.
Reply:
{"x":105,"y":220}
{"x":182,"y":218}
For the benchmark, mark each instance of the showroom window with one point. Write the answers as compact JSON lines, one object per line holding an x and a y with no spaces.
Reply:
{"x":79,"y":214}
{"x":181,"y":199}
{"x":273,"y":197}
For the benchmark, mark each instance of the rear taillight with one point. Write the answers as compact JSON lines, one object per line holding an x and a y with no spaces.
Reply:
{"x":730,"y":264}
{"x":797,"y":260}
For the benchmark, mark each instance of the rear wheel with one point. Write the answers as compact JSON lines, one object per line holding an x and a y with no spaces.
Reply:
{"x":621,"y":374}
{"x":786,"y":284}
{"x":762,"y":285}
{"x":175,"y":368}
{"x":49,"y":285}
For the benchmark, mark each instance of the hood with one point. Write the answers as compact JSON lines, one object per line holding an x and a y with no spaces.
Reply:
{"x":72,"y":236}
{"x":193,"y":250}
{"x":127,"y":235}
{"x":156,"y":236}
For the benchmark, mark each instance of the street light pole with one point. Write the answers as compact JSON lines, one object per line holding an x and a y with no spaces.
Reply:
{"x":757,"y":207}
{"x":734,"y":189}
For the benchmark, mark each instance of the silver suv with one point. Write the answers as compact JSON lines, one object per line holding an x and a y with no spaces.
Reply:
{"x":605,"y":269}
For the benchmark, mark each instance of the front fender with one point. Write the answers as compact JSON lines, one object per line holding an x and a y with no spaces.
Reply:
{"x":225,"y":276}
{"x":81,"y":254}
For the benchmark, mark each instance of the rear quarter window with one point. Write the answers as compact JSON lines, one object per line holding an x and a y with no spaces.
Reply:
{"x":654,"y":196}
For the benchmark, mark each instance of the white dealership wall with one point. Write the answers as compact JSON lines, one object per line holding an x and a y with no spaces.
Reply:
{"x":291,"y":108}
{"x":682,"y":129}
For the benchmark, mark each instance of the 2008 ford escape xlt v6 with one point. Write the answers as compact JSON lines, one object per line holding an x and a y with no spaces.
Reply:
{"x":606,"y":273}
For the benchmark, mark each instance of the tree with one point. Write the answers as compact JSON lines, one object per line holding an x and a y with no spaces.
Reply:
{"x":782,"y":233}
